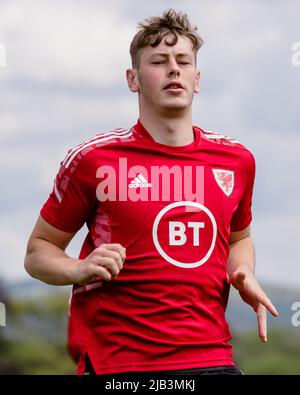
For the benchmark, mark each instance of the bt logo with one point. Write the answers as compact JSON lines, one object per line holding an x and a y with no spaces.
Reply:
{"x":177,"y":232}
{"x":184,"y":233}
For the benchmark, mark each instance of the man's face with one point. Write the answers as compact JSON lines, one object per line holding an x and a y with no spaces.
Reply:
{"x":166,"y":78}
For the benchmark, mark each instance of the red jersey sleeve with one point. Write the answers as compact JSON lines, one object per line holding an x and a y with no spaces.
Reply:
{"x":73,"y":197}
{"x":243,"y":214}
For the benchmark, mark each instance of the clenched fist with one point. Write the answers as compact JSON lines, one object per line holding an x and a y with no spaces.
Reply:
{"x":104,"y":263}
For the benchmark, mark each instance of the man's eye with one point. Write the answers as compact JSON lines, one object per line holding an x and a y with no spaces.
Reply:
{"x":184,"y":62}
{"x":158,"y":62}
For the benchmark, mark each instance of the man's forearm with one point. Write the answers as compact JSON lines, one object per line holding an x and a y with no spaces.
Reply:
{"x":241,"y":256}
{"x":50,"y":264}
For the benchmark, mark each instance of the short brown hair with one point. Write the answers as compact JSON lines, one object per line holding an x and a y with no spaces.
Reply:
{"x":154,"y":29}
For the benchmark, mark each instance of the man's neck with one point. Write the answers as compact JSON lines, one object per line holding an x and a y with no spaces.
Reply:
{"x":173,"y":131}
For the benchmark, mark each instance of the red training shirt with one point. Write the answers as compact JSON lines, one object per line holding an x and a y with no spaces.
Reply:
{"x":173,"y":209}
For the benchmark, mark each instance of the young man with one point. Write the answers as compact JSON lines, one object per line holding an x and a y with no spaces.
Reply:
{"x":168,"y":208}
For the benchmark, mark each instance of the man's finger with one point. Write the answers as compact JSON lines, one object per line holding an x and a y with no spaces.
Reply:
{"x":262,"y":322}
{"x":268,"y":304}
{"x":109,"y":253}
{"x":118,"y":248}
{"x":109,"y":264}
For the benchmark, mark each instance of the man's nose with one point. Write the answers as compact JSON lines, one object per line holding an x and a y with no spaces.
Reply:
{"x":174,"y":69}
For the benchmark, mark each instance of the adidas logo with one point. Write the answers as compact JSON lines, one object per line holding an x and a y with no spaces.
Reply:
{"x":139,"y":182}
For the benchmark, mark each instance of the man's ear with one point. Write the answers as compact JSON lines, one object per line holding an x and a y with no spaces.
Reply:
{"x":132,"y":80}
{"x":197,"y":83}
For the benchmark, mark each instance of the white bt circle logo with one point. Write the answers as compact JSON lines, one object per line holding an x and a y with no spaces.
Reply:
{"x":185,"y":237}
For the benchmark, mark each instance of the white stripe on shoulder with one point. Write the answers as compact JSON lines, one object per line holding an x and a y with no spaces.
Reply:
{"x":217,"y":136}
{"x":56,"y":192}
{"x":118,"y":133}
{"x":98,"y":135}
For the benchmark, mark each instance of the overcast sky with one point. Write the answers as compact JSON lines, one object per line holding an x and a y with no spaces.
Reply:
{"x":63,"y":81}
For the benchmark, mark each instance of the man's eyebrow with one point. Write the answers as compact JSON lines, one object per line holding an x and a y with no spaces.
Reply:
{"x":159,"y":54}
{"x":166,"y":55}
{"x":185,"y":55}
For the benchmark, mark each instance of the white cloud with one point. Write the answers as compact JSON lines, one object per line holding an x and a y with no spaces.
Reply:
{"x":66,"y":43}
{"x":277,"y":246}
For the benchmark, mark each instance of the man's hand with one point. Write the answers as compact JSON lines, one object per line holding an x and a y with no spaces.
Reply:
{"x":251,"y":292}
{"x":104,"y":263}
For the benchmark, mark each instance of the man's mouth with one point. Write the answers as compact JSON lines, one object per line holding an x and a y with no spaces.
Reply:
{"x":174,"y":86}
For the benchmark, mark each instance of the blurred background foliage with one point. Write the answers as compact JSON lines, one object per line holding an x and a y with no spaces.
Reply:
{"x":34,"y":340}
{"x":279,"y":356}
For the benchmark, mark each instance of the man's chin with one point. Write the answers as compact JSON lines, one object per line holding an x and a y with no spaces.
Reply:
{"x":175,"y":108}
{"x":176,"y":105}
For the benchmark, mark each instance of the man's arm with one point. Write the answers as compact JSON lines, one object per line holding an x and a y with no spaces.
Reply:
{"x":241,"y":271}
{"x":47,"y":261}
{"x":242,"y":252}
